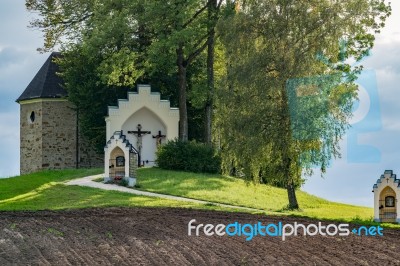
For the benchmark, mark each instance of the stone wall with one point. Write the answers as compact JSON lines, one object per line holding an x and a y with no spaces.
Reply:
{"x":50,"y":142}
{"x":30,"y":137}
{"x":133,"y":164}
{"x":59,"y":135}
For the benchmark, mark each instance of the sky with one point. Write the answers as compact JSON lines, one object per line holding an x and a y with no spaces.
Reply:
{"x":371,"y":146}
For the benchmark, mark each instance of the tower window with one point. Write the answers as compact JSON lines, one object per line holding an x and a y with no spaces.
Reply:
{"x":32,"y":117}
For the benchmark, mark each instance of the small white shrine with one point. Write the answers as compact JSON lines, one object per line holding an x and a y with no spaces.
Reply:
{"x":135,"y":128}
{"x":386,"y":192}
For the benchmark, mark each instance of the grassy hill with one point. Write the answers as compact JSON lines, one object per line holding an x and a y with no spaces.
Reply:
{"x":46,"y":190}
{"x":236,"y":191}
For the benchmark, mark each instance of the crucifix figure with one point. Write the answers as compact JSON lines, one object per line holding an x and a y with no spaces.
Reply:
{"x":139,"y":134}
{"x":158,"y":138}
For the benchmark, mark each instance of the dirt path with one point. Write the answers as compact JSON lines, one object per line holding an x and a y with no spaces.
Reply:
{"x":155,"y":236}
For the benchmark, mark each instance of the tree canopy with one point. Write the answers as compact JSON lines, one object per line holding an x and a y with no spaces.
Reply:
{"x":277,"y":71}
{"x":289,"y":90}
{"x":137,"y":41}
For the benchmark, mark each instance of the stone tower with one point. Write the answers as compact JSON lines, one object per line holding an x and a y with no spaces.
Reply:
{"x":49,"y":127}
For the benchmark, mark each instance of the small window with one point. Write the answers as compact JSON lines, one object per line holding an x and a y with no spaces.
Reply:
{"x":389,"y":201}
{"x":120,"y":161}
{"x":32,"y":117}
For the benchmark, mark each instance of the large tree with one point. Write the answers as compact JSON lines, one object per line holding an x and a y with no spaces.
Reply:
{"x":136,"y":39}
{"x":289,"y":89}
{"x":182,"y":31}
{"x":102,"y":46}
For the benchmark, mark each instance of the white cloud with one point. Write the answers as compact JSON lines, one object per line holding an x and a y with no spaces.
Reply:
{"x":14,"y":25}
{"x":17,"y":68}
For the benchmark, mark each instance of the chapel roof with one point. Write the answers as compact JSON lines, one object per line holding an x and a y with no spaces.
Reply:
{"x":46,"y":83}
{"x":388,"y":174}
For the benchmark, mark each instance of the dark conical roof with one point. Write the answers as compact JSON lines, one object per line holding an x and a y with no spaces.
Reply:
{"x":46,"y":83}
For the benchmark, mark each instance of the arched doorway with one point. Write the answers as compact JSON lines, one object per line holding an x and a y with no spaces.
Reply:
{"x":387,"y":205}
{"x":150,"y":122}
{"x":117,"y":163}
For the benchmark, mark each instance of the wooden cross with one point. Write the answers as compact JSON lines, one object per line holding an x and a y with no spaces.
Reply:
{"x":158,"y":138}
{"x":139,"y":133}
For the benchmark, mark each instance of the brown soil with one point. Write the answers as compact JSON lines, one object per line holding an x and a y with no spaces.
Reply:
{"x":148,"y":236}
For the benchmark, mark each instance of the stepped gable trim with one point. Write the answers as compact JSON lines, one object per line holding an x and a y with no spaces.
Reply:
{"x":141,"y":88}
{"x":382,"y":177}
{"x":122,"y":137}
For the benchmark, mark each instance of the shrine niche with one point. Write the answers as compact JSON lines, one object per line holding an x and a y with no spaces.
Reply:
{"x":386,"y":194}
{"x":120,"y":159}
{"x":117,"y":163}
{"x":145,"y":122}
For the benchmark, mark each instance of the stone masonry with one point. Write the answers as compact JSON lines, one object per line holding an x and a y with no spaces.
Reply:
{"x":49,"y":131}
{"x":59,"y":135}
{"x":50,"y":142}
{"x":31,"y":137}
{"x":133,"y":164}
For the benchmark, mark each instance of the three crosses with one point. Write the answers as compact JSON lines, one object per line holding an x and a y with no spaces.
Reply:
{"x":139,"y":134}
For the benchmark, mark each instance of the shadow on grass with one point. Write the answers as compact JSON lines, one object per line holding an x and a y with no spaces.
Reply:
{"x":19,"y":185}
{"x":180,"y":183}
{"x":58,"y":196}
{"x":233,"y":191}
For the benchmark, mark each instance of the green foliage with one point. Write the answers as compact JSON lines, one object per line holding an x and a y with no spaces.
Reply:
{"x":272,"y":49}
{"x":175,"y":23}
{"x":111,"y":45}
{"x":61,"y":21}
{"x":135,"y":41}
{"x":182,"y":30}
{"x":188,"y":156}
{"x":267,"y":49}
{"x":123,"y":183}
{"x":271,"y":175}
{"x":90,"y":96}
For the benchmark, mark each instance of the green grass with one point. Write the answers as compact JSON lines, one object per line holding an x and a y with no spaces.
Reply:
{"x":20,"y":185}
{"x":46,"y":191}
{"x":235,"y":191}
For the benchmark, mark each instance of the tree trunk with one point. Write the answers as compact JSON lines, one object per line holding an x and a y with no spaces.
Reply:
{"x":286,"y":150}
{"x":293,"y":204}
{"x":208,"y":123}
{"x":212,"y":8}
{"x":210,"y":85}
{"x":183,"y":118}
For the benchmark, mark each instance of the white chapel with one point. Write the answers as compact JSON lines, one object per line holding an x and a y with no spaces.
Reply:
{"x":135,"y":128}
